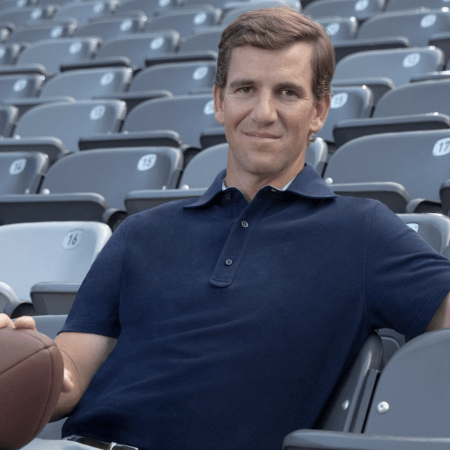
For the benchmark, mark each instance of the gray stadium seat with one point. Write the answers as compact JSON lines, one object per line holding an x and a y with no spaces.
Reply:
{"x":185,"y":21}
{"x":7,"y":4}
{"x":9,"y":54}
{"x":46,"y":57}
{"x":92,"y":185}
{"x":54,"y":252}
{"x":51,"y":129}
{"x":409,"y":408}
{"x":165,"y":80}
{"x":22,"y":173}
{"x":86,"y":10}
{"x":27,"y":15}
{"x":415,"y":106}
{"x":173,"y":121}
{"x":20,"y":87}
{"x":383,"y":70}
{"x":360,"y":9}
{"x":340,"y":28}
{"x":30,"y":34}
{"x":152,"y":8}
{"x":417,"y":26}
{"x":8,"y":119}
{"x":112,"y":27}
{"x":350,"y":102}
{"x":393,"y":168}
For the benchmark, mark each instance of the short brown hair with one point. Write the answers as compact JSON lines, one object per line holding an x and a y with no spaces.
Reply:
{"x":273,"y":29}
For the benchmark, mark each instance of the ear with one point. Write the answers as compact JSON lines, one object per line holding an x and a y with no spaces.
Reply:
{"x":321,"y":111}
{"x":218,"y":104}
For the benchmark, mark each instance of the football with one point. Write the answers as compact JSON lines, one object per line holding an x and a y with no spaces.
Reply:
{"x":31,"y":375}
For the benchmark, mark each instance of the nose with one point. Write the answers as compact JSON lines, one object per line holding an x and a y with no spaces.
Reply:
{"x":264,"y":109}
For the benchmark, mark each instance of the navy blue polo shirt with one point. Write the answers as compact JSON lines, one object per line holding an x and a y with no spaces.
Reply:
{"x":234,"y":320}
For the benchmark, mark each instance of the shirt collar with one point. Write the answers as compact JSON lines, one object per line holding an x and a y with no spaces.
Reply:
{"x":308,"y":184}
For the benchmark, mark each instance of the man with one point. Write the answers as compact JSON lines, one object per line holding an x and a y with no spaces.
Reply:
{"x":225,"y":322}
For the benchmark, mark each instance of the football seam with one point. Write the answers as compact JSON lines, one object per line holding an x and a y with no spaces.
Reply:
{"x":22,"y":360}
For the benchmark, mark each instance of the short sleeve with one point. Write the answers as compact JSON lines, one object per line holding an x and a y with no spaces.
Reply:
{"x":96,"y":306}
{"x":405,"y":279}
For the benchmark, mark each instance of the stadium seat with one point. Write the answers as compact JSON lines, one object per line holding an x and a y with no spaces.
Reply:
{"x":360,"y":9}
{"x":46,"y":57}
{"x":92,"y":185}
{"x":185,"y":21}
{"x":415,"y":106}
{"x":55,"y":128}
{"x":113,"y":27}
{"x":9,"y":54}
{"x":383,"y":70}
{"x":340,"y":28}
{"x":26,"y":15}
{"x":409,"y":408}
{"x":86,"y":10}
{"x":399,"y":169}
{"x":172,"y":121}
{"x":418,"y":26}
{"x":351,"y":102}
{"x":22,"y":173}
{"x":29,"y":34}
{"x":53,"y":252}
{"x":201,"y":171}
{"x":7,"y":4}
{"x":20,"y":86}
{"x":166,"y":80}
{"x":150,"y":9}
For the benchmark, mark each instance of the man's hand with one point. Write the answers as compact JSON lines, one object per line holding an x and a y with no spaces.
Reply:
{"x":28,"y":323}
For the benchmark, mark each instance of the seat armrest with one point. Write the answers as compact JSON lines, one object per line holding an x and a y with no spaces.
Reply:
{"x":8,"y":299}
{"x":331,"y":440}
{"x":346,"y":130}
{"x":393,"y":195}
{"x":163,"y":138}
{"x":53,"y":298}
{"x":98,"y":63}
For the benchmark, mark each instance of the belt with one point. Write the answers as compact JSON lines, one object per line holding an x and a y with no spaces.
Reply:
{"x":100,"y":444}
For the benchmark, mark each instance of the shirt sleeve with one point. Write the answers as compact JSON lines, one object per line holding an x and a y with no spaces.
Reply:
{"x":96,"y":306}
{"x":405,"y":279}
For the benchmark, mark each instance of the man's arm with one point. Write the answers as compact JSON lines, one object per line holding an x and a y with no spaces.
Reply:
{"x":83,"y":355}
{"x":441,"y":318}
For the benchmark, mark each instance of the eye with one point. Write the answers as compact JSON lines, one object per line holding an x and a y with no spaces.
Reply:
{"x":245,"y":89}
{"x":288,"y":93}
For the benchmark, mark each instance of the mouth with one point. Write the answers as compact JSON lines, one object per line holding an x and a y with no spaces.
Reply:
{"x":262,"y":135}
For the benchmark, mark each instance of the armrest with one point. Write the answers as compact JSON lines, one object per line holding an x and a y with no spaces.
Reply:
{"x":163,"y":138}
{"x":137,"y":201}
{"x":134,"y":98}
{"x":316,"y":439}
{"x":53,"y":298}
{"x":199,"y":55}
{"x":347,"y":130}
{"x":8,"y":299}
{"x":393,"y":195}
{"x":51,"y":146}
{"x":98,"y":63}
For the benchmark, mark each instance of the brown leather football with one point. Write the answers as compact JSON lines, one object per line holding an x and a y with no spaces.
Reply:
{"x":31,"y":376}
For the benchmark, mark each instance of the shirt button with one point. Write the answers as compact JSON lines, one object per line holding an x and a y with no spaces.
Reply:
{"x":228,"y":262}
{"x":228,"y":196}
{"x":244,"y":224}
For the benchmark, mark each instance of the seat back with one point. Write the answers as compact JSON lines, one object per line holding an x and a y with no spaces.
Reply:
{"x":21,"y":172}
{"x":71,"y":121}
{"x":53,"y":53}
{"x":340,"y":28}
{"x":178,"y":78}
{"x":20,"y":86}
{"x":86,"y":10}
{"x":87,"y":84}
{"x":149,"y":8}
{"x":401,"y":5}
{"x":138,"y":47}
{"x":36,"y":33}
{"x":360,"y":9}
{"x":113,"y":173}
{"x":346,"y":103}
{"x":412,"y":396}
{"x":417,"y":26}
{"x":399,"y":65}
{"x":26,"y":15}
{"x":419,"y":161}
{"x":188,"y":115}
{"x":206,"y":40}
{"x":415,"y":98}
{"x":48,"y":252}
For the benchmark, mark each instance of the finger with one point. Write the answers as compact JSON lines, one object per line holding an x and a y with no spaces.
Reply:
{"x":5,"y":321}
{"x":25,"y":323}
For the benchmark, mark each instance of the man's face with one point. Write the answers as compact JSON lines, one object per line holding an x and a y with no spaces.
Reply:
{"x":268,"y":110}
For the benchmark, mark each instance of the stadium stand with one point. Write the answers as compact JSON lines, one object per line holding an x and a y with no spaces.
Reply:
{"x":27,"y":15}
{"x":34,"y":252}
{"x":340,"y":28}
{"x":29,"y":34}
{"x":86,"y":10}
